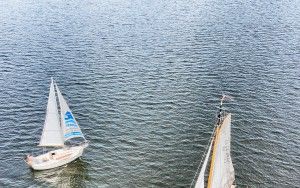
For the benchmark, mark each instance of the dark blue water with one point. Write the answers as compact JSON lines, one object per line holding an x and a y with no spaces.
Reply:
{"x":143,"y":79}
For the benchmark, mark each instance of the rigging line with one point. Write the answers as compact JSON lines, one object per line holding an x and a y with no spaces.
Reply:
{"x":203,"y":156}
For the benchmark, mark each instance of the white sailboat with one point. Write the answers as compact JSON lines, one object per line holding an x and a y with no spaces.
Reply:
{"x":58,"y":132}
{"x":221,"y":171}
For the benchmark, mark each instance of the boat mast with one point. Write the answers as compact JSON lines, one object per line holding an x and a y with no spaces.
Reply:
{"x":220,"y":110}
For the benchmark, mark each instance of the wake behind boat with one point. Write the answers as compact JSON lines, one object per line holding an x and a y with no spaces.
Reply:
{"x":62,"y":132}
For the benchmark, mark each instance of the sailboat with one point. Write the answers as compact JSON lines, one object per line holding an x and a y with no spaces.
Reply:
{"x":221,"y":171}
{"x":61,"y":132}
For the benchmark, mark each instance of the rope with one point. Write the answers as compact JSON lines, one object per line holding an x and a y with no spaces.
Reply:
{"x":203,"y":156}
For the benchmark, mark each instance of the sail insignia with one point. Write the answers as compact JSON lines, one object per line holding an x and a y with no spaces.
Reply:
{"x":71,"y":123}
{"x":69,"y":120}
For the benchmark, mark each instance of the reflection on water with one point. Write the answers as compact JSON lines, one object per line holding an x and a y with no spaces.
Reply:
{"x":73,"y":174}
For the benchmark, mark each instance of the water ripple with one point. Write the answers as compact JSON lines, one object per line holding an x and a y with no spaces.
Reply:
{"x":143,"y":80}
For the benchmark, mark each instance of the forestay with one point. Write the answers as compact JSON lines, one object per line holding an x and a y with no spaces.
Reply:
{"x":221,"y":171}
{"x":52,"y":134}
{"x":200,"y":180}
{"x":69,"y":125}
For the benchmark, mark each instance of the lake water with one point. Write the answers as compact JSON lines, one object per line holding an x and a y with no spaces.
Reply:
{"x":144,"y":78}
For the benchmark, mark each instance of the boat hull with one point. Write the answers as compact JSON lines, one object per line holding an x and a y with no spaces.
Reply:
{"x":56,"y":158}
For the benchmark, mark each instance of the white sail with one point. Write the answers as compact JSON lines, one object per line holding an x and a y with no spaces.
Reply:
{"x":69,"y":125}
{"x":221,"y":171}
{"x":200,"y":180}
{"x":52,"y":134}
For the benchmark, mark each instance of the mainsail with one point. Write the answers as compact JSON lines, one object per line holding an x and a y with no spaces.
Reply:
{"x":69,"y":125}
{"x":52,"y":134}
{"x":221,"y":170}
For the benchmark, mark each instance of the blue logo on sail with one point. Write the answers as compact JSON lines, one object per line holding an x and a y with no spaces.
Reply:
{"x":69,"y":120}
{"x":73,"y":134}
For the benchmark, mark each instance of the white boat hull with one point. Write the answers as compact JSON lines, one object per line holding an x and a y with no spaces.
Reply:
{"x":56,"y":158}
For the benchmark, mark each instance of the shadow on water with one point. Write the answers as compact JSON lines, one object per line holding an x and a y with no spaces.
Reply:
{"x":74,"y":174}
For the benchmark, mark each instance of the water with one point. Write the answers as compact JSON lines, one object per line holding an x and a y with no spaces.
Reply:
{"x":143,"y":79}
